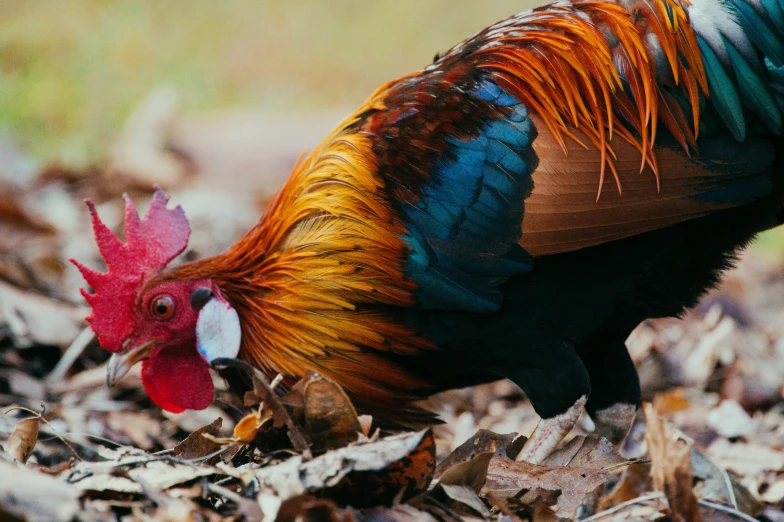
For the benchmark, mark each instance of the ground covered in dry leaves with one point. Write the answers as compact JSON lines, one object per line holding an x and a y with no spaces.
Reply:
{"x":709,"y":444}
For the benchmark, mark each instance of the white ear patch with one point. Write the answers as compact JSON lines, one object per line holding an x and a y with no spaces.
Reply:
{"x":218,"y":331}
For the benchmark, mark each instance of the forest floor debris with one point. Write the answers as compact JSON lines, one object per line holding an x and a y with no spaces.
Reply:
{"x":713,"y":383}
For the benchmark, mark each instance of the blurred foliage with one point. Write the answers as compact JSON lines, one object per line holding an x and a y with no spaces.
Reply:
{"x":71,"y":72}
{"x":771,"y":244}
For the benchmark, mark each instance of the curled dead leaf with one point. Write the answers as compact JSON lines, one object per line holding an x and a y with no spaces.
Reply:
{"x":330,"y":419}
{"x":634,"y":482}
{"x":671,"y":467}
{"x":482,"y":441}
{"x":22,"y":441}
{"x":359,"y":475}
{"x":248,"y":427}
{"x":197,"y":445}
{"x":466,"y":496}
{"x":471,"y":473}
{"x":671,"y":401}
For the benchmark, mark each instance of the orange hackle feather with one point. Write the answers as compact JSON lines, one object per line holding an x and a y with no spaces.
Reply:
{"x":304,"y":281}
{"x":557,"y":60}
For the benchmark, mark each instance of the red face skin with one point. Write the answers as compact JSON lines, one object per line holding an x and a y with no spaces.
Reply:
{"x":174,"y":375}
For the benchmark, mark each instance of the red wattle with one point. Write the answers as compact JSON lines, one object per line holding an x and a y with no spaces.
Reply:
{"x":177,"y":378}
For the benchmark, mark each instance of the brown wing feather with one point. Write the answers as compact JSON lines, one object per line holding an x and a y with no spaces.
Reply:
{"x":562,"y":214}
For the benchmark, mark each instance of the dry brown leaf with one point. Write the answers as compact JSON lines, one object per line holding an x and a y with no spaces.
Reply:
{"x":330,"y":419}
{"x":141,"y":428}
{"x":775,"y":493}
{"x":730,"y":420}
{"x":471,"y":473}
{"x":33,"y":318}
{"x":483,"y":440}
{"x":467,"y":496}
{"x":671,"y":467}
{"x":304,"y":508}
{"x":196,"y":445}
{"x":591,"y":451}
{"x":544,"y":514}
{"x":128,"y":472}
{"x":529,"y":484}
{"x":29,"y":250}
{"x":25,"y":385}
{"x":671,"y":401}
{"x":28,"y":495}
{"x":399,"y":513}
{"x":22,"y":441}
{"x":359,"y":475}
{"x":746,"y":458}
{"x":713,"y":483}
{"x":14,"y":214}
{"x":248,"y":427}
{"x":634,"y":482}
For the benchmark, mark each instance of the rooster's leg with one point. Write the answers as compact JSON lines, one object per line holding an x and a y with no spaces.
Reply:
{"x":550,"y":432}
{"x":615,"y":394}
{"x":557,"y":384}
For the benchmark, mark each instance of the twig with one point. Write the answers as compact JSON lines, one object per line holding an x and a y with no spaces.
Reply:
{"x":78,"y":476}
{"x":277,"y":380}
{"x":622,"y":505}
{"x":626,"y":464}
{"x":224,"y":492}
{"x":42,"y":419}
{"x":727,"y":509}
{"x":144,"y":462}
{"x":83,"y":434}
{"x":70,"y":356}
{"x":730,"y":489}
{"x":658,"y":495}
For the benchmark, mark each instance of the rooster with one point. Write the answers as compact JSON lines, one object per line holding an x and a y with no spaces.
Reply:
{"x":513,"y":210}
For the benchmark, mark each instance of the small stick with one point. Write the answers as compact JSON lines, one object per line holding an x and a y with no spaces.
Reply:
{"x":224,"y":492}
{"x":277,"y":380}
{"x":71,"y":354}
{"x":622,"y":505}
{"x":727,"y":509}
{"x":42,"y":419}
{"x":728,"y":484}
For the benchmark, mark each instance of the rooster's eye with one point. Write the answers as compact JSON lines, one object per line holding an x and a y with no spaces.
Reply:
{"x":162,"y":307}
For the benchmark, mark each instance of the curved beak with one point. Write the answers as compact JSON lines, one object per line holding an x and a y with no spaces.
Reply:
{"x":120,"y":363}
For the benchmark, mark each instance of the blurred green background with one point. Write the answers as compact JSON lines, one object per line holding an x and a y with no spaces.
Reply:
{"x":70,"y":72}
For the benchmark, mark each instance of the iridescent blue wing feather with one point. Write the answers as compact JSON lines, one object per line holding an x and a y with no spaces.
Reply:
{"x":461,"y":192}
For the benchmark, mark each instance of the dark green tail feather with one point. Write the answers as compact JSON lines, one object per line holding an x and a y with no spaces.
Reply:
{"x":747,"y":84}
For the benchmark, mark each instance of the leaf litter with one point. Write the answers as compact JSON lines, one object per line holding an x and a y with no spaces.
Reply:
{"x":709,"y":445}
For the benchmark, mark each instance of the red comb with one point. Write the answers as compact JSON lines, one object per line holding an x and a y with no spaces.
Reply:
{"x":150,"y":244}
